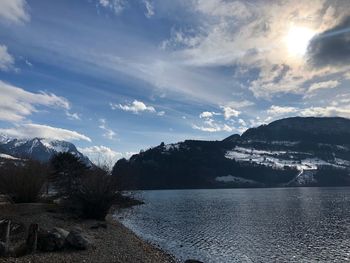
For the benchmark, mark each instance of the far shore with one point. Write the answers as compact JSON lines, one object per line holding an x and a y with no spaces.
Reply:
{"x":114,"y":244}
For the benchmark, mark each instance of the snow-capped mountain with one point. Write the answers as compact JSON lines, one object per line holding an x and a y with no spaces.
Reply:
{"x":37,"y":148}
{"x":289,"y":152}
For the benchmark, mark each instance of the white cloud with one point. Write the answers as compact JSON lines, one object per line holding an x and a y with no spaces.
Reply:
{"x":6,"y":60}
{"x":161,"y":113}
{"x":340,"y":108}
{"x":281,"y":110}
{"x":253,"y":36}
{"x":208,"y":114}
{"x":207,"y":128}
{"x":43,"y":131}
{"x":240,"y":104}
{"x":73,"y":116}
{"x":331,"y":84}
{"x":108,"y":133}
{"x":16,"y":103}
{"x":347,"y":75}
{"x":230,"y":112}
{"x":101,"y":155}
{"x":210,"y":125}
{"x":327,"y":111}
{"x":135,"y":107}
{"x":117,"y":6}
{"x":14,"y":11}
{"x":242,"y":122}
{"x":149,"y":8}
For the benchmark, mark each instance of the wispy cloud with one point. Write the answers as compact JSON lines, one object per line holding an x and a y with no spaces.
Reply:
{"x":161,"y":113}
{"x":255,"y":36}
{"x":73,"y":116}
{"x":211,"y":126}
{"x":16,"y":103}
{"x":117,"y":6}
{"x":108,"y":133}
{"x":7,"y":61}
{"x":330,"y":84}
{"x":149,"y":8}
{"x":281,"y":110}
{"x":32,"y":130}
{"x":14,"y":11}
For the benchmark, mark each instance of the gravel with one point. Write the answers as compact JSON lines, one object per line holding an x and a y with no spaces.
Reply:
{"x":115,"y":243}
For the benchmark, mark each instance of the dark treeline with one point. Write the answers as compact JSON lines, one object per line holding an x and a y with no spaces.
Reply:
{"x":88,"y":191}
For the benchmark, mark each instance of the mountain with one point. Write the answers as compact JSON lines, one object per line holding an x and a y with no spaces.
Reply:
{"x":37,"y":148}
{"x":294,"y":151}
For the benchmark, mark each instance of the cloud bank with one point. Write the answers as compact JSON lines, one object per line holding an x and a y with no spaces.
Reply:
{"x":32,"y":130}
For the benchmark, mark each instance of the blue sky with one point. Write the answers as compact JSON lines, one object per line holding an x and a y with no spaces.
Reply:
{"x":117,"y":76}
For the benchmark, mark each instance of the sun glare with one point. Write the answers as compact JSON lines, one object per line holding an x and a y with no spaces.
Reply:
{"x":298,"y":39}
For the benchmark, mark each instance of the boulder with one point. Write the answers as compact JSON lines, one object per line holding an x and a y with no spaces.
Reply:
{"x":53,"y":240}
{"x":76,"y":239}
{"x":64,"y":233}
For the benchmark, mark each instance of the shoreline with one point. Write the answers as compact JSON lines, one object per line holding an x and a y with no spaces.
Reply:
{"x":114,"y":244}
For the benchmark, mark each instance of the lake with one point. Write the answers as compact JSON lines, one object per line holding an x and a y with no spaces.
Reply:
{"x":246,"y":225}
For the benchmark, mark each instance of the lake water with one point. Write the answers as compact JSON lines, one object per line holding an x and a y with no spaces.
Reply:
{"x":246,"y":225}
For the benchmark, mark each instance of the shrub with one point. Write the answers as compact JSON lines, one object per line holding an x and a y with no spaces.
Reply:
{"x":23,"y":181}
{"x":89,"y":192}
{"x":96,"y":194}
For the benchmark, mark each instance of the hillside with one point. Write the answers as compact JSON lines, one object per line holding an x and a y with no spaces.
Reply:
{"x":288,"y":152}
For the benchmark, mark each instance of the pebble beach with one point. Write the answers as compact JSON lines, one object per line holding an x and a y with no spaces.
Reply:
{"x":112,"y":243}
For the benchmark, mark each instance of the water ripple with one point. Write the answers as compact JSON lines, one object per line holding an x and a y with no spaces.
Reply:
{"x":247,"y":225}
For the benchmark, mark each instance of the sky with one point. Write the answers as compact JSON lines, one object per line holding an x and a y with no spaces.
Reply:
{"x":118,"y":76}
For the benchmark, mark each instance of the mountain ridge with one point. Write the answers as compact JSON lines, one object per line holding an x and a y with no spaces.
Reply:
{"x":297,"y":151}
{"x":41,"y":149}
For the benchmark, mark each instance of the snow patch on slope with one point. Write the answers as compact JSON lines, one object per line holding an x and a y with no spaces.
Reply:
{"x":56,"y":146}
{"x":281,"y":159}
{"x":10,"y":157}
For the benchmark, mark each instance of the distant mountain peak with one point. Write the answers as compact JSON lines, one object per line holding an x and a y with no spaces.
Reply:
{"x":41,"y":149}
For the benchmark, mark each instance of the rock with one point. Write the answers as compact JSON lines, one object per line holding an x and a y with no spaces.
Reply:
{"x":53,"y":240}
{"x":77,"y":240}
{"x":64,"y":233}
{"x":193,"y":261}
{"x":99,"y":225}
{"x":5,"y":200}
{"x":19,"y":250}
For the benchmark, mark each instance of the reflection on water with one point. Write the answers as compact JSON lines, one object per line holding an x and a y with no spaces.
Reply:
{"x":246,"y":225}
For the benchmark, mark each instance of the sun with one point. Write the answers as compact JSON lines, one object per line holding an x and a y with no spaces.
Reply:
{"x":297,"y":40}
